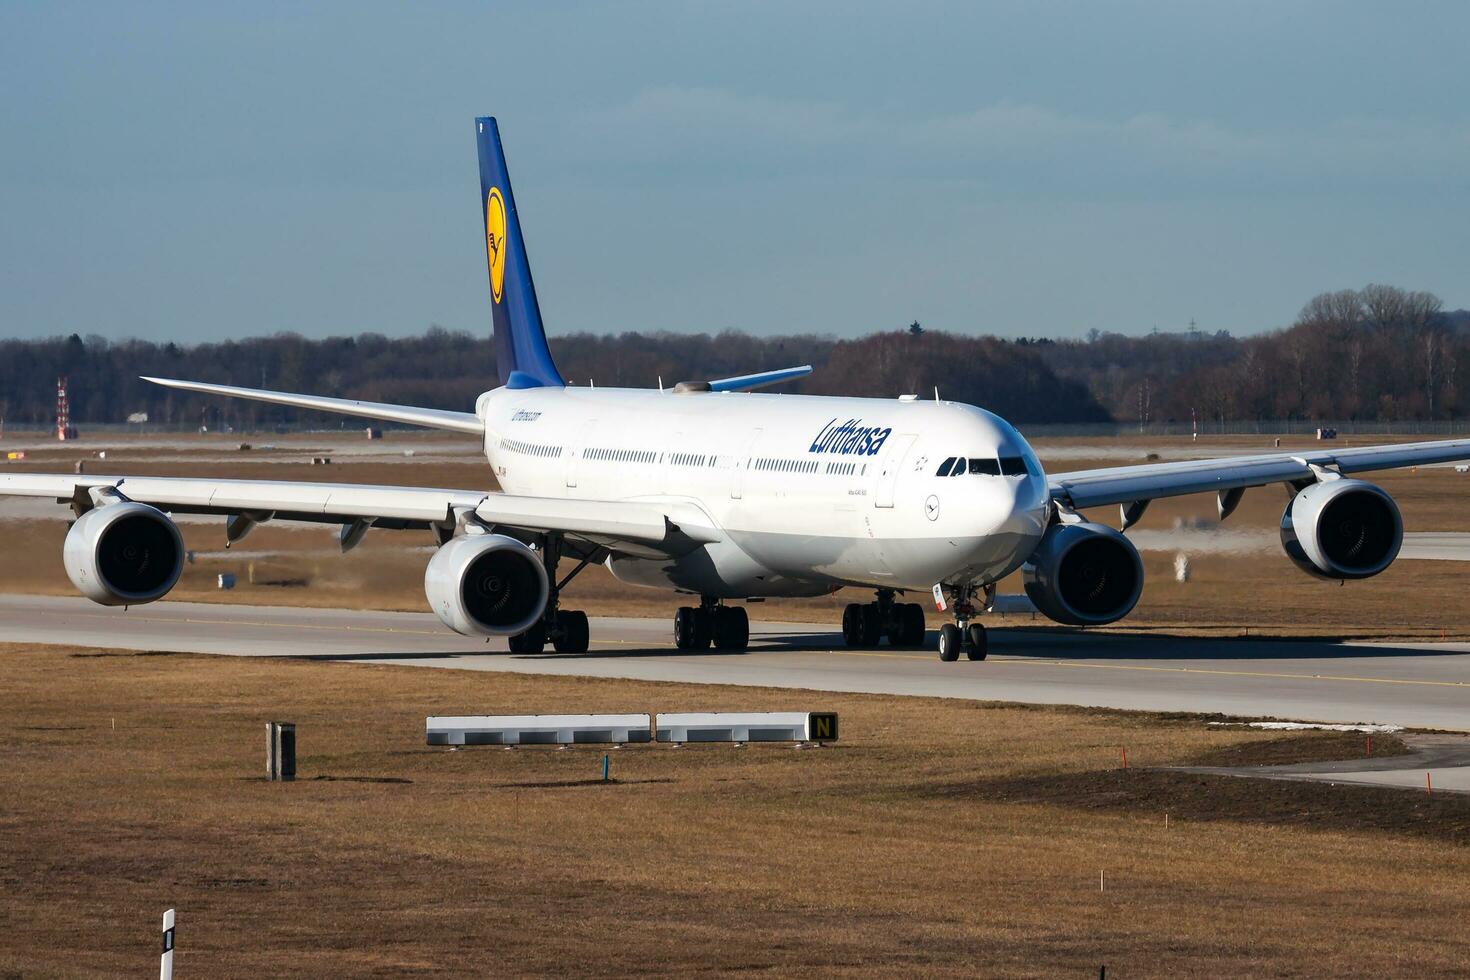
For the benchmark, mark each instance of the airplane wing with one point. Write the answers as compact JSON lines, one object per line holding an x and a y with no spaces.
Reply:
{"x":1141,"y":483}
{"x":633,"y":527}
{"x":430,"y":418}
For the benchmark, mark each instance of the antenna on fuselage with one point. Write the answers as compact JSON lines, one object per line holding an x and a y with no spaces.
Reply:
{"x":936,"y":393}
{"x":660,"y":382}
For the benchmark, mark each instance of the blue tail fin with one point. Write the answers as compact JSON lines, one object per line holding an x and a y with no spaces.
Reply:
{"x":521,"y":352}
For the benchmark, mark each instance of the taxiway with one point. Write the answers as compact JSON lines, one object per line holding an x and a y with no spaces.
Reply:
{"x":1414,"y":685}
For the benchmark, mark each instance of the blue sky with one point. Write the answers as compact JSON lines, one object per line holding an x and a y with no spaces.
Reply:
{"x":202,"y":171}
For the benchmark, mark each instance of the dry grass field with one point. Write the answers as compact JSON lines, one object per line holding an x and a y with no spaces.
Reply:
{"x":938,"y":838}
{"x":1246,"y":585}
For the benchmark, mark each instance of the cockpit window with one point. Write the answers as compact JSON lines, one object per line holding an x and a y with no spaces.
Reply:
{"x":987,"y":466}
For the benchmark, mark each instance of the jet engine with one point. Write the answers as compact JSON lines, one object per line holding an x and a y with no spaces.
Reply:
{"x":486,"y":585}
{"x":1084,"y":574}
{"x":1341,"y":529}
{"x":123,"y":554}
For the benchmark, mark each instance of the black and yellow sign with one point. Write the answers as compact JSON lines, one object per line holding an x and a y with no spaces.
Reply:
{"x":822,"y":726}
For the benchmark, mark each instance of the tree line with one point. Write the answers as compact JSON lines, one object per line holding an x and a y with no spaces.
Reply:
{"x":1374,"y":354}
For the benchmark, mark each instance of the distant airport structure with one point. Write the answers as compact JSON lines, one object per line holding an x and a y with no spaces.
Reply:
{"x":65,"y":431}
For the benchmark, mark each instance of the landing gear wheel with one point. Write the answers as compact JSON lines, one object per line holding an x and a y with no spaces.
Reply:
{"x":531,"y":641}
{"x":912,"y":616}
{"x":731,"y":628}
{"x":872,"y":625}
{"x":978,"y":646}
{"x":852,"y":624}
{"x":950,"y":642}
{"x":704,"y":628}
{"x":686,"y":631}
{"x":571,"y":633}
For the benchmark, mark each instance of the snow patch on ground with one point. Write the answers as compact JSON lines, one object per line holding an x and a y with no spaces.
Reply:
{"x":1297,"y":726}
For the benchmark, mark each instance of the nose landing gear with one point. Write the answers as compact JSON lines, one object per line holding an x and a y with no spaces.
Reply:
{"x":696,"y":627}
{"x":865,"y":623}
{"x":963,"y":634}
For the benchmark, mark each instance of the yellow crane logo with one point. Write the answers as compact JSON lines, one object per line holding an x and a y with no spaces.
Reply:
{"x":495,"y":241}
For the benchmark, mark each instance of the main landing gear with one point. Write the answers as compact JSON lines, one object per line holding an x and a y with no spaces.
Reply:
{"x":565,"y":628}
{"x":865,"y":623}
{"x":963,"y":634}
{"x":696,"y":627}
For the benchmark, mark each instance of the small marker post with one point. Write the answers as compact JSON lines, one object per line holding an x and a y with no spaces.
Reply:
{"x":605,"y":758}
{"x":166,"y":965}
{"x":1125,"y":755}
{"x":1370,"y":743}
{"x":1428,"y":786}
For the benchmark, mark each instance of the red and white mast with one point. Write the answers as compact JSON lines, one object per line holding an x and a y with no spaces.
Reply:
{"x":64,"y":429}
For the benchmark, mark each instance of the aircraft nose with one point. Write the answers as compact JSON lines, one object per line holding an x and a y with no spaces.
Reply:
{"x":1009,"y":507}
{"x":1023,"y":508}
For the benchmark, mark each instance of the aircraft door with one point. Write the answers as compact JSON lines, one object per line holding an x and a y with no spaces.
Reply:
{"x":577,"y":451}
{"x":669,"y":470}
{"x":898,"y":449}
{"x":742,"y":464}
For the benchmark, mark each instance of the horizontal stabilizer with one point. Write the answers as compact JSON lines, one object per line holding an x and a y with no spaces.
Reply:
{"x":429,"y":418}
{"x":762,"y":379}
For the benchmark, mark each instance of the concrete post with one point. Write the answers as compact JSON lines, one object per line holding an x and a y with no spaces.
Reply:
{"x":280,"y":750}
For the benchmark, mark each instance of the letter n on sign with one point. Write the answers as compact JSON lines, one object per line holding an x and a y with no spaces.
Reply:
{"x":822,"y":726}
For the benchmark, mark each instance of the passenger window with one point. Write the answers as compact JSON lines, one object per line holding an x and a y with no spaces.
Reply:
{"x":944,"y":467}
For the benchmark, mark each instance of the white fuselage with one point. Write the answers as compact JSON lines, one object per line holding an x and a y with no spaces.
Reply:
{"x":812,"y":493}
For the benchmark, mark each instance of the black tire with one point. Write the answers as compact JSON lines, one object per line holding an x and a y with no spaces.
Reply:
{"x":704,"y":628}
{"x":913,"y":624}
{"x":950,"y":642}
{"x":573,"y":635}
{"x":532,"y":641}
{"x":977,"y":645}
{"x":732,"y":628}
{"x":872,"y":624}
{"x":852,"y":624}
{"x":684,"y":627}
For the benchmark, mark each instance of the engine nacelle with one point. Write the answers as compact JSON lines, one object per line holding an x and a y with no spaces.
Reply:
{"x":1341,"y":529}
{"x":486,"y":585}
{"x":1084,"y":574}
{"x":123,"y":554}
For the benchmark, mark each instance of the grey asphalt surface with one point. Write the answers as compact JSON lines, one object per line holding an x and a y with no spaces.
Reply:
{"x":1444,"y":759}
{"x":1414,"y":685}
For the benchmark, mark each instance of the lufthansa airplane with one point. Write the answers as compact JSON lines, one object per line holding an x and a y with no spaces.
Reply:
{"x":724,"y":494}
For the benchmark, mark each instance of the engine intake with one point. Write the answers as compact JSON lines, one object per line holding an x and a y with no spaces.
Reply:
{"x":1084,"y":575}
{"x":1342,"y":529}
{"x":124,"y":554}
{"x":486,"y":585}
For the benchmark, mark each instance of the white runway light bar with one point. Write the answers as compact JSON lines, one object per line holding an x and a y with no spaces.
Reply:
{"x":537,"y":729}
{"x":757,"y":726}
